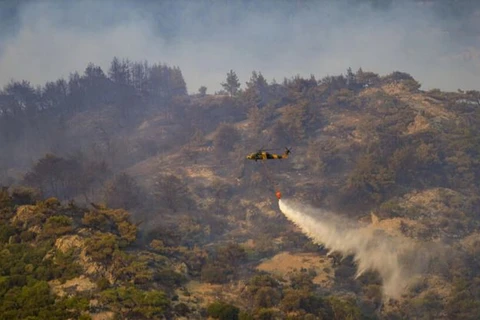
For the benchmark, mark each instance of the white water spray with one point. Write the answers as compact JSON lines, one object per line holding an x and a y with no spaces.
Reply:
{"x":395,"y":259}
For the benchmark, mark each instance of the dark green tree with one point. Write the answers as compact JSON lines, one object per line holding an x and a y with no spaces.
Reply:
{"x":119,"y":71}
{"x":232,"y":84}
{"x":223,"y":311}
{"x":202,"y":91}
{"x":257,"y":91}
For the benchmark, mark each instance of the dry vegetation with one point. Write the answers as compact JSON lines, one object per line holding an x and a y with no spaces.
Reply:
{"x":202,"y":234}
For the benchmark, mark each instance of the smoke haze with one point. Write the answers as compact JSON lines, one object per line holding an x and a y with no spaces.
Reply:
{"x":397,"y":260}
{"x":44,"y":40}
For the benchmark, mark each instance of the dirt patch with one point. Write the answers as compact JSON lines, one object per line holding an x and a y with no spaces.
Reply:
{"x":77,"y":242}
{"x":471,"y":243}
{"x":394,"y":226}
{"x":343,"y":129}
{"x":107,"y":315}
{"x":393,"y":88}
{"x":199,"y":293}
{"x":418,"y":101}
{"x":144,"y":170}
{"x":421,"y":103}
{"x":243,"y":125}
{"x":266,"y":208}
{"x":439,"y":286}
{"x":24,"y":214}
{"x":79,"y":284}
{"x":419,"y":124}
{"x":435,"y":199}
{"x":286,"y":262}
{"x":200,"y":172}
{"x":347,"y":121}
{"x":68,"y":242}
{"x":155,"y":121}
{"x":369,"y":92}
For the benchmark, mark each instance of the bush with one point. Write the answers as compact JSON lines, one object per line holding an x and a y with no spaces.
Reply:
{"x":134,"y":302}
{"x":223,"y":311}
{"x":181,"y":309}
{"x":266,"y":297}
{"x":95,"y":219}
{"x":214,"y":274}
{"x":267,"y":314}
{"x":344,"y":309}
{"x":123,"y":192}
{"x":6,"y":231}
{"x":411,"y":85}
{"x":25,"y":196}
{"x":225,"y":138}
{"x":57,"y":225}
{"x":103,"y":283}
{"x":101,"y":246}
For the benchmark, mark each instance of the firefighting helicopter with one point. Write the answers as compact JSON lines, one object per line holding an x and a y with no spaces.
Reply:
{"x":264,"y":155}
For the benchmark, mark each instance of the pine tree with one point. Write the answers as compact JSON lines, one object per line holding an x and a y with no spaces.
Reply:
{"x":232,"y":85}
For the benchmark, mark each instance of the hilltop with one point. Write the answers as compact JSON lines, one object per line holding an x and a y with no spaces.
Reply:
{"x":159,"y":214}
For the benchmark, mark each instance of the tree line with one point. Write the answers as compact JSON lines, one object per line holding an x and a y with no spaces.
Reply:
{"x":34,"y":120}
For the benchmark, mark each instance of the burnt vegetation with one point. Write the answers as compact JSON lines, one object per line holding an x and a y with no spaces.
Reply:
{"x":149,"y":187}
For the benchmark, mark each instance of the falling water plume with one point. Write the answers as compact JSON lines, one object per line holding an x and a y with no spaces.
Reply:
{"x":396,"y":259}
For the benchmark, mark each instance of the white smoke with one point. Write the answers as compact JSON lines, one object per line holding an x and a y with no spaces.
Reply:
{"x":42,"y":40}
{"x":397,"y":260}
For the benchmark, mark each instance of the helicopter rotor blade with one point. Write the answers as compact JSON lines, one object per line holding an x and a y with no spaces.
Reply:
{"x":270,"y":149}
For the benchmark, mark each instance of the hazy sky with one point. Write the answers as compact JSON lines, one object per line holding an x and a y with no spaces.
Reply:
{"x":45,"y":40}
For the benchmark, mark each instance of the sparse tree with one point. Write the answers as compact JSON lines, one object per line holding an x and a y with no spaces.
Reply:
{"x":54,"y":176}
{"x":232,"y":84}
{"x":54,"y":94}
{"x":25,"y":97}
{"x":122,"y":192}
{"x":96,"y":84}
{"x":296,"y":119}
{"x":202,"y":91}
{"x":256,"y":93}
{"x":227,"y":135}
{"x":76,"y":96}
{"x":279,"y":134}
{"x":91,"y":178}
{"x":365,"y":79}
{"x":257,"y":119}
{"x":232,"y":254}
{"x":119,"y":71}
{"x":351,"y":79}
{"x":139,"y":71}
{"x":177,"y":84}
{"x":171,"y":192}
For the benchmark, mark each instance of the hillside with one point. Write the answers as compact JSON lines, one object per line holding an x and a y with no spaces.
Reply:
{"x":157,"y":213}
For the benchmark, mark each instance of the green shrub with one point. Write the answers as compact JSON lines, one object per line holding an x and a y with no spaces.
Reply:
{"x":223,"y":311}
{"x":214,"y":274}
{"x":56,"y":226}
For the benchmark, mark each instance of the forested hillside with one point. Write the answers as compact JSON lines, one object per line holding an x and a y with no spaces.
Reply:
{"x":126,"y":196}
